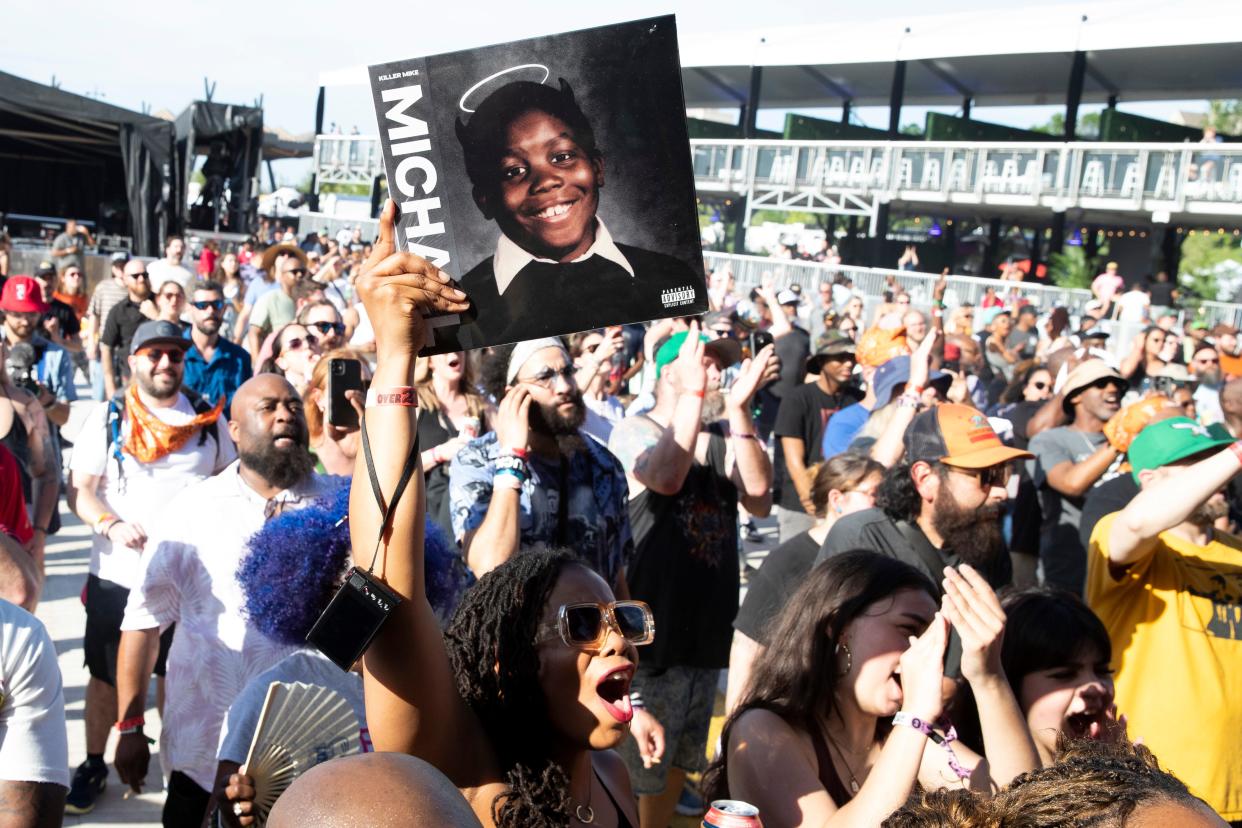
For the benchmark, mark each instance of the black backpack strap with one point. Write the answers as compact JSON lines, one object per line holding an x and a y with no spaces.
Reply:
{"x":212,"y":429}
{"x":919,"y":543}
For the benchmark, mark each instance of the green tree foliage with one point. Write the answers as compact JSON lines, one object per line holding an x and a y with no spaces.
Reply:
{"x":1226,"y":116}
{"x":1203,"y":254}
{"x":1088,"y":125}
{"x":1071,"y":268}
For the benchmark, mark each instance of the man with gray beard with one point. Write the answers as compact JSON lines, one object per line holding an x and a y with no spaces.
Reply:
{"x":188,"y":577}
{"x":690,"y":461}
{"x":537,"y":480}
{"x":129,"y":459}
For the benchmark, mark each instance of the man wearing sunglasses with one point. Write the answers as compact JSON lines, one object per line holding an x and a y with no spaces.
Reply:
{"x":120,"y":324}
{"x":1069,"y":462}
{"x":214,"y":367}
{"x":276,"y":308}
{"x":537,"y":479}
{"x":130,"y":457}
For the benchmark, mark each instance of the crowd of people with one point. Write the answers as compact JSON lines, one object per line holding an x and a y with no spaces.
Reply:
{"x":1006,"y":589}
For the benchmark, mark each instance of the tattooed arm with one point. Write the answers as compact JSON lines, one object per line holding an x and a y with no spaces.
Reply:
{"x":31,"y":805}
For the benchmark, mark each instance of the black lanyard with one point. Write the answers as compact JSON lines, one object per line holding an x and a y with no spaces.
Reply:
{"x":407,"y":471}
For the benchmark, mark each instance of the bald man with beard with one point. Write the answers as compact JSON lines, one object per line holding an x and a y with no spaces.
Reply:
{"x":371,"y":790}
{"x":188,"y":578}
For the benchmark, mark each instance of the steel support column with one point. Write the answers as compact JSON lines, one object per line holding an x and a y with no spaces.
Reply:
{"x":314,"y":182}
{"x":750,"y":117}
{"x":1073,"y":96}
{"x":966,"y":107}
{"x":876,"y":253}
{"x":895,"y":97}
{"x":1037,"y":255}
{"x":988,"y":266}
{"x":845,"y":110}
{"x":1056,"y":236}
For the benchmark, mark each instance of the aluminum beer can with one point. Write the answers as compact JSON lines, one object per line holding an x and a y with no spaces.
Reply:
{"x":732,"y":813}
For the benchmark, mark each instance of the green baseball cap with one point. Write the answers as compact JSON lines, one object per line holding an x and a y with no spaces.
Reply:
{"x":1176,"y":438}
{"x":727,"y":350}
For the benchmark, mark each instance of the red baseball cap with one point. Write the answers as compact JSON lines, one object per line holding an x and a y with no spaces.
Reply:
{"x":22,"y":294}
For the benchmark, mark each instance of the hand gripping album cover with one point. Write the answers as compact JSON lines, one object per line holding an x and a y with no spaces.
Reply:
{"x":549,"y":177}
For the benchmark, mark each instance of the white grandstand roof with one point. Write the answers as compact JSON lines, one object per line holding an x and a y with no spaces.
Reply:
{"x":1140,"y":50}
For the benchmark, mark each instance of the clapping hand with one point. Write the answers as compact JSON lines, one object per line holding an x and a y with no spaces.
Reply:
{"x":974,"y":611}
{"x":922,"y":671}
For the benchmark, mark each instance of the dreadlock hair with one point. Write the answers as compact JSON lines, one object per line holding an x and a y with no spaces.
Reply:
{"x":490,"y":643}
{"x":944,"y":808}
{"x":1093,"y":783}
{"x":796,"y":676}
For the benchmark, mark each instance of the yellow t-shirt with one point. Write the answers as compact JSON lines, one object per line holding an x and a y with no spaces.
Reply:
{"x":1175,"y":622}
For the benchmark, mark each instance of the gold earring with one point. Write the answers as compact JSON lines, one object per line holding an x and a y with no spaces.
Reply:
{"x":849,"y":658}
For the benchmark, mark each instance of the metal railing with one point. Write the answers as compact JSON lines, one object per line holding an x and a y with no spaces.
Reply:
{"x":347,"y":159}
{"x":750,"y":271}
{"x":1173,"y":178}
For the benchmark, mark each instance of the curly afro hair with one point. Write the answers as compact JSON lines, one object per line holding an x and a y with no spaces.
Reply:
{"x":295,"y":563}
{"x":490,"y":649}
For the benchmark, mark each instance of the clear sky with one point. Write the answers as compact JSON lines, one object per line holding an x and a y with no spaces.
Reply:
{"x":129,"y":53}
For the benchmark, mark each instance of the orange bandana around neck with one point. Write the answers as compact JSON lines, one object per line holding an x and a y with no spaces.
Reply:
{"x":150,"y":438}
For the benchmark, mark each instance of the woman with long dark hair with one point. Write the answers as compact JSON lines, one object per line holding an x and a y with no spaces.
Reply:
{"x":520,"y":701}
{"x":1144,"y":359}
{"x":842,"y":716}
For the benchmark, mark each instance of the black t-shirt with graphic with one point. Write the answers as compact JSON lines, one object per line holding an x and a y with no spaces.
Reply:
{"x":804,"y":413}
{"x":685,"y":565}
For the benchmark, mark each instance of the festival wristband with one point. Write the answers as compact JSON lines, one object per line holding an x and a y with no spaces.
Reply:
{"x":1236,"y":448}
{"x":746,"y":435}
{"x":507,"y":479}
{"x":701,"y":393}
{"x":636,"y":700}
{"x":131,"y":725}
{"x":910,"y":720}
{"x":517,"y":452}
{"x":512,"y":463}
{"x":402,"y":395}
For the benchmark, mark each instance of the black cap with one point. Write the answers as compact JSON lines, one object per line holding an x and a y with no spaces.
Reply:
{"x":158,"y":332}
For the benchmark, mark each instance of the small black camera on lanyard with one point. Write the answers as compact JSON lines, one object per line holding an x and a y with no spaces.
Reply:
{"x":363,"y":603}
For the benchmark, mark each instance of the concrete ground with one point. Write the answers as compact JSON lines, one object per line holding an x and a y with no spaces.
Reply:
{"x":61,"y":610}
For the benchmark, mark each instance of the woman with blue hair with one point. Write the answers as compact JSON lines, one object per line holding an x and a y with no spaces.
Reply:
{"x":294,"y":566}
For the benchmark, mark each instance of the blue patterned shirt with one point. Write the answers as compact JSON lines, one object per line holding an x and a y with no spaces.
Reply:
{"x":597,"y":517}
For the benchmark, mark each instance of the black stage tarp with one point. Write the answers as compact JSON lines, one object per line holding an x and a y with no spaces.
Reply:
{"x":67,"y":155}
{"x":231,"y":136}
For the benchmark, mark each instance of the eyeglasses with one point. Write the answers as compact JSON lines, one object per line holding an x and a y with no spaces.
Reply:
{"x":175,"y":355}
{"x":142,"y":275}
{"x":210,"y":304}
{"x":324,"y":327}
{"x":297,"y":343}
{"x":585,"y":626}
{"x":546,"y":378}
{"x":297,"y":271}
{"x":990,"y":477}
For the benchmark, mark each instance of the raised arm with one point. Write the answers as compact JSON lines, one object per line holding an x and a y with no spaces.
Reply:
{"x":1166,"y":502}
{"x":411,"y":697}
{"x":664,"y":467}
{"x":752,"y":470}
{"x":974,"y":611}
{"x":890,"y":447}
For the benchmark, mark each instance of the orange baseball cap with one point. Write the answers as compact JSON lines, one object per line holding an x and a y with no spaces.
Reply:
{"x":957,"y":435}
{"x":878,"y":345}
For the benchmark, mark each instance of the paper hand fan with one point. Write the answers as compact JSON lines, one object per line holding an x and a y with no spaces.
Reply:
{"x":300,"y":726}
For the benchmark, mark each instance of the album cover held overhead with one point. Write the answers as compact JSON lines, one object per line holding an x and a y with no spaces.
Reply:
{"x":550,"y":178}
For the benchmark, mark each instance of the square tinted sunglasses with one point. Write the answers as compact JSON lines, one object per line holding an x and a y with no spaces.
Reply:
{"x":584,"y":626}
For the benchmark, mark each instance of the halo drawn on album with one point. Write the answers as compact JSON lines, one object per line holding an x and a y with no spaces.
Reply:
{"x":550,"y":177}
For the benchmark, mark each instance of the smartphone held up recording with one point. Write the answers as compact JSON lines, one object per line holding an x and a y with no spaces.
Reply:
{"x":343,"y":375}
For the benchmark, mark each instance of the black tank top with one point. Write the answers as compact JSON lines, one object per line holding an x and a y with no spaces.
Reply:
{"x":827,"y":773}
